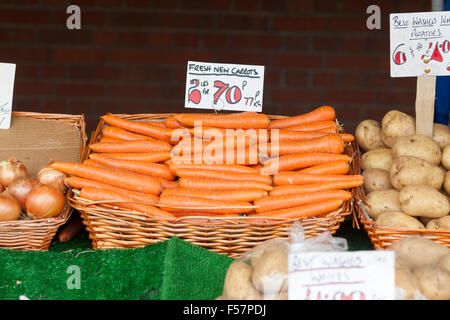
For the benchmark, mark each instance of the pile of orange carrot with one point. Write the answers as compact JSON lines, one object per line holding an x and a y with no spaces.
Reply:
{"x":293,"y":167}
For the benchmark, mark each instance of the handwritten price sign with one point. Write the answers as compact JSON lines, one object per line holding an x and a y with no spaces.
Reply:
{"x":349,"y":275}
{"x":224,"y":86}
{"x":420,"y":44}
{"x":7,"y":75}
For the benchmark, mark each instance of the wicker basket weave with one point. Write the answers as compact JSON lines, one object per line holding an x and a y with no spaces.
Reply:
{"x":109,"y":227}
{"x":28,"y":234}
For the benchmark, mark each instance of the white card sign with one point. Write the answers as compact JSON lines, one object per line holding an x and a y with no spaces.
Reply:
{"x":220,"y":86}
{"x":420,"y":44}
{"x":7,"y":75}
{"x":348,"y":275}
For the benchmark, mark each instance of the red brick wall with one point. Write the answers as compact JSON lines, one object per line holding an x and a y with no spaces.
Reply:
{"x":130,"y":55}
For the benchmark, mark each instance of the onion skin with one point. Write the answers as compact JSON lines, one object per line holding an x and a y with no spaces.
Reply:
{"x":52,"y":177}
{"x":44,"y":202}
{"x":9,"y":208}
{"x":19,"y":189}
{"x":11,"y":169}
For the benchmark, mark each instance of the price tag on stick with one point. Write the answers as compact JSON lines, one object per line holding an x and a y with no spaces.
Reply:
{"x":220,"y":86}
{"x":420,"y":47}
{"x":7,"y":75}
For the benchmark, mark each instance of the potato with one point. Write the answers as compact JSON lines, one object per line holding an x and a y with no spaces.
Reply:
{"x":446,"y":157}
{"x":441,"y":134}
{"x":407,"y":170}
{"x":238,"y":285}
{"x":270,"y":271}
{"x":445,"y":262}
{"x":407,"y":281}
{"x":418,"y":251}
{"x":447,"y":182}
{"x":376,"y":179}
{"x":396,"y":124}
{"x":442,"y":223}
{"x":422,"y":200}
{"x":432,"y":224}
{"x":381,"y":201}
{"x":368,"y":135}
{"x":434,"y":281}
{"x":418,"y":145}
{"x":378,"y":158}
{"x":398,"y":219}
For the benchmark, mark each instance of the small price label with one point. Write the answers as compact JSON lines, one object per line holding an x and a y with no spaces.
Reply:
{"x":7,"y":75}
{"x":349,"y":275}
{"x":420,"y":44}
{"x":221,"y":86}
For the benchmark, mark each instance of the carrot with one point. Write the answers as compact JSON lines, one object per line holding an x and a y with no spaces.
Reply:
{"x":123,"y":202}
{"x":301,"y":160}
{"x":242,"y":120}
{"x":232,"y":168}
{"x":271,"y":203}
{"x":235,"y":195}
{"x":242,"y":156}
{"x":287,"y":135}
{"x":172,"y":123}
{"x":329,"y":144}
{"x":329,"y":126}
{"x":71,"y":228}
{"x":198,"y":145}
{"x":318,"y":114}
{"x":139,"y":127}
{"x":157,"y":123}
{"x":175,"y":203}
{"x":108,"y":139}
{"x":333,"y":167}
{"x":207,"y":184}
{"x":149,"y":156}
{"x":305,"y":211}
{"x":315,"y":187}
{"x":118,"y":178}
{"x":167,"y":184}
{"x":142,"y":167}
{"x":287,"y":177}
{"x":79,"y":183}
{"x":211,"y":133}
{"x":131,"y":146}
{"x":347,"y":137}
{"x":118,"y":133}
{"x":215,"y":174}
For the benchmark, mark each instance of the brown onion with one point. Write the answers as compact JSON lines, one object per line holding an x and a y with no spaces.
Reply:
{"x":52,"y":177}
{"x":44,"y":202}
{"x":11,"y":169}
{"x":20,"y":187}
{"x":9,"y":207}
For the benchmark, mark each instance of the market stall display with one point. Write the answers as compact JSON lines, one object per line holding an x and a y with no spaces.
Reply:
{"x":33,"y":203}
{"x":138,"y":189}
{"x":405,"y":176}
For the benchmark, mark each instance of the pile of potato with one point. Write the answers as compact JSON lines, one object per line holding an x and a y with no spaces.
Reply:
{"x":406,"y":175}
{"x":422,"y":269}
{"x":261,"y":275}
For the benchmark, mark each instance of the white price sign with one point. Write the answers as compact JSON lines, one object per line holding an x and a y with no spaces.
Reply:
{"x":7,"y":75}
{"x":420,"y":44}
{"x":349,"y":275}
{"x":220,"y":86}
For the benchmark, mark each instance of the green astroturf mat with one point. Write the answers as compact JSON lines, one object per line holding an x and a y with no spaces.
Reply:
{"x":170,"y":270}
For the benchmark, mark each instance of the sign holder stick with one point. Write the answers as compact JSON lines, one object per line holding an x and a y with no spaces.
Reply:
{"x":425,"y":97}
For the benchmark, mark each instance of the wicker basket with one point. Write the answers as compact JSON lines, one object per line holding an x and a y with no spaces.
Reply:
{"x":28,"y":234}
{"x":382,"y":237}
{"x":112,"y":228}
